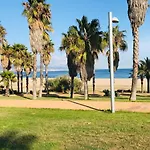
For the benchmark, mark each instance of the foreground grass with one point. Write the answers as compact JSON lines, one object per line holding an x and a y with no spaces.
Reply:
{"x":45,"y":129}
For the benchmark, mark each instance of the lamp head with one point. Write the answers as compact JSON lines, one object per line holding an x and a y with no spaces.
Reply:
{"x":115,"y":20}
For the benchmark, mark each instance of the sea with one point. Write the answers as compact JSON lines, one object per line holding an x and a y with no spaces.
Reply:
{"x":100,"y":73}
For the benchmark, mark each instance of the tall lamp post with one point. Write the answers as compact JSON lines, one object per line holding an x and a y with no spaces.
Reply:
{"x":111,"y":21}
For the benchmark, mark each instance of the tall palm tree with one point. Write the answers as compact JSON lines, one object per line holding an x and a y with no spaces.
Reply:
{"x":46,"y":39}
{"x":48,"y":49}
{"x":7,"y":77}
{"x":90,"y":34}
{"x":146,"y":68}
{"x":38,"y":14}
{"x":136,"y":12}
{"x":119,"y":44}
{"x":72,"y":44}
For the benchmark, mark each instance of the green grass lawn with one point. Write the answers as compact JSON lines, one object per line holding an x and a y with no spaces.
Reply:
{"x":46,"y":129}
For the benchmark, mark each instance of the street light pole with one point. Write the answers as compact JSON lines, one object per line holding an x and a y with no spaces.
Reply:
{"x":111,"y":63}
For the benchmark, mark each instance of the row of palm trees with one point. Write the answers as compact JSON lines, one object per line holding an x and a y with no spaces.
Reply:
{"x":87,"y":45}
{"x":82,"y":43}
{"x":17,"y":56}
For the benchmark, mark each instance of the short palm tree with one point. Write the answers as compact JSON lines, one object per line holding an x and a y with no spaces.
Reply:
{"x":141,"y":75}
{"x":48,"y":49}
{"x":7,"y":77}
{"x":136,"y":12}
{"x":38,"y":15}
{"x":146,"y":70}
{"x":19,"y":51}
{"x":72,"y":44}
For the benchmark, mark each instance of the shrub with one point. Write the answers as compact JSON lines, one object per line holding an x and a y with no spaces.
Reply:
{"x":62,"y":84}
{"x":107,"y":93}
{"x":77,"y":85}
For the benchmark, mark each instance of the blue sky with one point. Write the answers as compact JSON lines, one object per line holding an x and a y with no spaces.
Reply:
{"x":64,"y":14}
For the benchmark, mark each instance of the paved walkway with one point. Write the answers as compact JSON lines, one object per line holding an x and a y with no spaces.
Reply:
{"x":77,"y":105}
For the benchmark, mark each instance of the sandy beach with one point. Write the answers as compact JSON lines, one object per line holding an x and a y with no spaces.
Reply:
{"x":101,"y":84}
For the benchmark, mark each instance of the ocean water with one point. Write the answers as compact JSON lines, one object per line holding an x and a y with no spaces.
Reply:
{"x":100,"y":73}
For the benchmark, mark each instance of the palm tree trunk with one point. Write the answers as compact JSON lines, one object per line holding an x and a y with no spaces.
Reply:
{"x":86,"y":90}
{"x":46,"y":78}
{"x":41,"y":74}
{"x":94,"y":82}
{"x":34,"y":75}
{"x":135,"y":32}
{"x":7,"y":90}
{"x":11,"y":88}
{"x":141,"y":85}
{"x":27,"y":84}
{"x":18,"y":84}
{"x":72,"y":87}
{"x":148,"y":84}
{"x":21,"y":82}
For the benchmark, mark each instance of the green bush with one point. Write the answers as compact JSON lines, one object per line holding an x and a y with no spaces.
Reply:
{"x":107,"y":93}
{"x":62,"y":84}
{"x":77,"y":85}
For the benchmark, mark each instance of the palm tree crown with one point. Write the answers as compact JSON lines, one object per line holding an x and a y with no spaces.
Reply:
{"x":119,"y":44}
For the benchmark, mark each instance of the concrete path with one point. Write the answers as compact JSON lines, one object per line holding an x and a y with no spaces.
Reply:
{"x":77,"y":105}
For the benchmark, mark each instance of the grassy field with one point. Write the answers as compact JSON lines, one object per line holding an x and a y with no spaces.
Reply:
{"x":60,"y":96}
{"x":45,"y":129}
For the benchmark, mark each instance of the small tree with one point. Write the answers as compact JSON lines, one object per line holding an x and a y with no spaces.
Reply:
{"x":7,"y":77}
{"x":146,"y":69}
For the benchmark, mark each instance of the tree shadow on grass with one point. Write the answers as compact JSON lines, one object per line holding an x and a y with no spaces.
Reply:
{"x":23,"y":96}
{"x":90,"y":107}
{"x":11,"y":140}
{"x":55,"y":96}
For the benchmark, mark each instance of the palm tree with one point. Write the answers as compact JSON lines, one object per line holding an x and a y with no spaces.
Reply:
{"x":28,"y":65}
{"x":90,"y":34}
{"x":7,"y":77}
{"x":136,"y":12}
{"x":19,"y":51}
{"x":146,"y":68}
{"x":48,"y":49}
{"x":12,"y":80}
{"x":72,"y":44}
{"x":38,"y":14}
{"x":2,"y":36}
{"x":141,"y":74}
{"x":6,"y":57}
{"x":119,"y":44}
